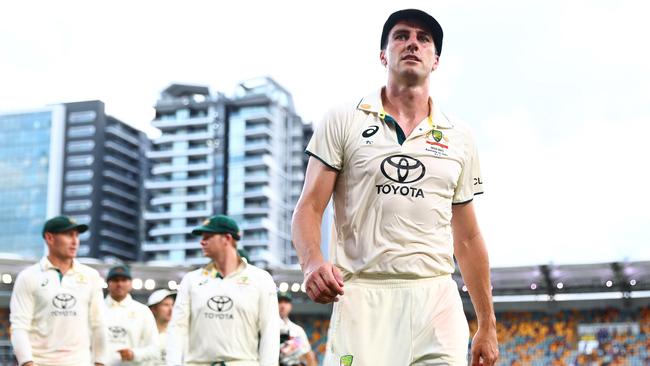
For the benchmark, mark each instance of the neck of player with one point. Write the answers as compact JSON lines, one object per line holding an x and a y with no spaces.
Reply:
{"x":408,"y":104}
{"x":63,"y":264}
{"x":227,"y":262}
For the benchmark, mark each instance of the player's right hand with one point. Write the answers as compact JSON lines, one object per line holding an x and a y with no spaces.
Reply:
{"x":323,"y":283}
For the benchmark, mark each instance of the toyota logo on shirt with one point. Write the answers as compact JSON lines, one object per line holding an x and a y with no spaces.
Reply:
{"x":64,"y":301}
{"x":117,"y":332}
{"x":220,"y":303}
{"x":402,"y":169}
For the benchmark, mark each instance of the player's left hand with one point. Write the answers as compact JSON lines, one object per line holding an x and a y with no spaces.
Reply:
{"x":126,"y":354}
{"x":485,"y":349}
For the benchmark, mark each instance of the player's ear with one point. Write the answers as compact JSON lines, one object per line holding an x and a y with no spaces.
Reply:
{"x":435,"y":63}
{"x":382,"y":58}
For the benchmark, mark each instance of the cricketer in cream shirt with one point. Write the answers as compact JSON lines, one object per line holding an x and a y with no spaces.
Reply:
{"x":232,"y":319}
{"x":130,"y":325}
{"x":58,"y":319}
{"x":393,"y":194}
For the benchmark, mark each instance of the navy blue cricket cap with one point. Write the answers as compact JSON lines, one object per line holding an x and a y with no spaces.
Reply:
{"x":427,"y":20}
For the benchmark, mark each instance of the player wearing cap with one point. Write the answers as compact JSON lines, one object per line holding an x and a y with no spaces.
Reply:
{"x":403,"y":176}
{"x":226,"y":313}
{"x":161,"y":303}
{"x":294,"y":344}
{"x":57,"y":315}
{"x":132,"y":333}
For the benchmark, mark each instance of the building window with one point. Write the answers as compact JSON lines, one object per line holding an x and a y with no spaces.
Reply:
{"x":79,"y":160}
{"x":79,"y":146}
{"x":81,"y":131}
{"x":78,"y":175}
{"x":78,"y":190}
{"x":77,"y":205}
{"x":82,"y":117}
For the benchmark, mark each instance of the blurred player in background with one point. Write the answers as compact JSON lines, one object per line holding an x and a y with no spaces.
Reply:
{"x":294,"y":344}
{"x":132,"y":333}
{"x":225,"y":313}
{"x":161,"y":303}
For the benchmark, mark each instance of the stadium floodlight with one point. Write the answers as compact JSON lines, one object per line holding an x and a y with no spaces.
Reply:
{"x":464,"y":288}
{"x":560,"y":285}
{"x":295,"y":287}
{"x":533,"y":286}
{"x":172,"y":285}
{"x":303,"y":288}
{"x":137,"y":284}
{"x":632,"y":282}
{"x":6,"y":279}
{"x":104,"y":285}
{"x":149,"y":284}
{"x":609,"y":283}
{"x":284,"y":287}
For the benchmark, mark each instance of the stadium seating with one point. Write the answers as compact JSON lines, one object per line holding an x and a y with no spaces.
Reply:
{"x":543,"y":339}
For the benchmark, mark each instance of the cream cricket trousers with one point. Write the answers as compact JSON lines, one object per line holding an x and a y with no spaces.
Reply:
{"x":398,"y":323}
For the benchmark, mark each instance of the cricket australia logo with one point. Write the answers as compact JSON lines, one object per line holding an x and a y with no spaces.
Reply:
{"x":117,"y":333}
{"x":64,"y":304}
{"x":401,"y":169}
{"x":219,"y":305}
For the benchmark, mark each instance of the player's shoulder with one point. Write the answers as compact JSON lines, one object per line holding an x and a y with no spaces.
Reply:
{"x":28,"y":274}
{"x":194,"y":274}
{"x":86,"y":269}
{"x":261,"y":276}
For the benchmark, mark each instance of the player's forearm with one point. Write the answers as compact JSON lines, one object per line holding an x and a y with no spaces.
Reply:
{"x":474,"y":266}
{"x":99,"y":345}
{"x":306,"y":234}
{"x":21,"y":345}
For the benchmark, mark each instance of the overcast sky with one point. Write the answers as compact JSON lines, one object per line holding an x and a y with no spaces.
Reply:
{"x":558,"y":92}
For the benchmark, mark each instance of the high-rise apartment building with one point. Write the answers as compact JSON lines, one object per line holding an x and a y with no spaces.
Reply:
{"x":71,"y":159}
{"x":240,"y":155}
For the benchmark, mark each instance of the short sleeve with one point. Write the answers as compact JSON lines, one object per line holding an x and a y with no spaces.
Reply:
{"x":470,"y":182}
{"x":327,"y":142}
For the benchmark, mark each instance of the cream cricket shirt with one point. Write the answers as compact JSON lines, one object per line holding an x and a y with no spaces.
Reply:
{"x":393,"y":194}
{"x":130,"y":325}
{"x":225,"y":319}
{"x":61,"y":315}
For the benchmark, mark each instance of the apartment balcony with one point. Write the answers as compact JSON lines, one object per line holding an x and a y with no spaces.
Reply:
{"x":263,"y":117}
{"x":298,"y":176}
{"x":254,"y":242}
{"x":158,"y":231}
{"x":256,"y":224}
{"x":168,"y":215}
{"x":111,"y":145}
{"x":258,"y":193}
{"x":258,"y":161}
{"x":105,"y":217}
{"x":256,"y":178}
{"x":256,"y":210}
{"x":192,"y":136}
{"x":118,"y":192}
{"x":171,"y":168}
{"x":170,"y":153}
{"x":164,"y":247}
{"x":119,"y":237}
{"x":260,"y":131}
{"x":180,"y":199}
{"x":120,"y":178}
{"x":168,"y":184}
{"x":121,"y":164}
{"x":258,"y":148}
{"x":107,"y":203}
{"x":124,"y":135}
{"x":175,"y":123}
